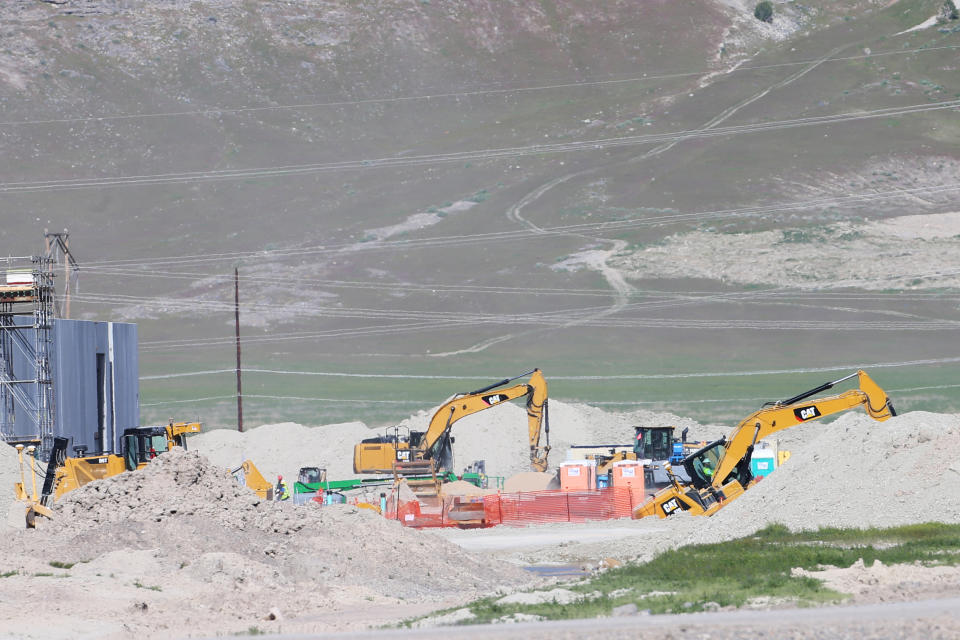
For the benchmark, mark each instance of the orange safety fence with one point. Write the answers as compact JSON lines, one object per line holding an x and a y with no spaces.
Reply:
{"x":520,"y":508}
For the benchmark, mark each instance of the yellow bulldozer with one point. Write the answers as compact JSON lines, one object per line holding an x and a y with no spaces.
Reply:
{"x":720,"y":471}
{"x":64,"y":474}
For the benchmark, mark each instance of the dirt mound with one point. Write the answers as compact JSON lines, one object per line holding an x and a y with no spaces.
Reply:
{"x":282,"y":448}
{"x":185,"y":506}
{"x":464,"y":488}
{"x":179,"y":540}
{"x":176,"y":483}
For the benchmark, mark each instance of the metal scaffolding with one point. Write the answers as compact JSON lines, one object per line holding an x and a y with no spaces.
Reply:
{"x":27,"y":292}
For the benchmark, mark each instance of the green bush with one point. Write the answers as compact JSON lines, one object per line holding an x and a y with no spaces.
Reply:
{"x":950,"y":10}
{"x":763,"y":11}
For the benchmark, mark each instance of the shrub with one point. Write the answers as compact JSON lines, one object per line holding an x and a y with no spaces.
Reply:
{"x":763,"y":11}
{"x":950,"y":10}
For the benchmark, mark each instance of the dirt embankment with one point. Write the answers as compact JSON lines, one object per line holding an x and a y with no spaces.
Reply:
{"x":180,"y":549}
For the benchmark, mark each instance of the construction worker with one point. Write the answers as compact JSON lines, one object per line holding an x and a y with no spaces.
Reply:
{"x":282,"y":491}
{"x":707,"y":469}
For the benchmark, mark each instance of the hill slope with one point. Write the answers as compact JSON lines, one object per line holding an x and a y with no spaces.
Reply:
{"x":440,"y":188}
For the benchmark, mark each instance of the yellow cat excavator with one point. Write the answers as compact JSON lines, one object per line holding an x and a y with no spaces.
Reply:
{"x":720,"y":471}
{"x":399,"y":445}
{"x":63,"y":473}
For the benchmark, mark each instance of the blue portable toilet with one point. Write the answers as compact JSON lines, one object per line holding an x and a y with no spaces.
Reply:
{"x":763,"y":461}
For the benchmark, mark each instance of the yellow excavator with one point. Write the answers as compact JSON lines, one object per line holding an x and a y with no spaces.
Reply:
{"x":720,"y":471}
{"x":399,"y":445}
{"x":63,"y":473}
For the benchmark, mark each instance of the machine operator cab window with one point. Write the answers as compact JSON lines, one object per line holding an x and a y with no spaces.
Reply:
{"x":143,"y":444}
{"x":700,"y":466}
{"x":655,"y":443}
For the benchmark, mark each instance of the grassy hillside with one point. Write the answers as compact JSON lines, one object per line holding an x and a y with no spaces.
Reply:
{"x":436,"y":188}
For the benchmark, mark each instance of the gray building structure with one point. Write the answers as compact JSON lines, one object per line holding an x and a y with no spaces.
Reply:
{"x":94,"y":375}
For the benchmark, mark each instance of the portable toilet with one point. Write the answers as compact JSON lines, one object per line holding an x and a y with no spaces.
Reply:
{"x":578,"y":475}
{"x":629,"y":473}
{"x":763,"y":461}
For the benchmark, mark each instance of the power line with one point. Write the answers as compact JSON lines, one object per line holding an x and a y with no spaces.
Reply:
{"x":215,"y":111}
{"x":639,"y":376}
{"x":430,"y":403}
{"x":528,"y":234}
{"x":525,"y":291}
{"x":462,"y":156}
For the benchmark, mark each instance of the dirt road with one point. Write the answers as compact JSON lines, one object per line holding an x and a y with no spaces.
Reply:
{"x":929,"y":619}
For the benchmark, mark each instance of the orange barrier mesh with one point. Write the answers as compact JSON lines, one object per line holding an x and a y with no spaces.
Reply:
{"x":522,"y":508}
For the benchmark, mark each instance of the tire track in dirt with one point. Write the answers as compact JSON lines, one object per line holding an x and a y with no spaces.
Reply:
{"x":597,"y":260}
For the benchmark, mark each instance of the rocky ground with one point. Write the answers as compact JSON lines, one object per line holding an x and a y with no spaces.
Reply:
{"x":179,"y":550}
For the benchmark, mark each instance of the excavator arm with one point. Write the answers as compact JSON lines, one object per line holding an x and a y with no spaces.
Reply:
{"x":466,"y":404}
{"x":797,"y":410}
{"x":177,"y":432}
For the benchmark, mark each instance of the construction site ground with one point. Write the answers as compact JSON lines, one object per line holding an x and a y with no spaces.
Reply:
{"x":179,"y":550}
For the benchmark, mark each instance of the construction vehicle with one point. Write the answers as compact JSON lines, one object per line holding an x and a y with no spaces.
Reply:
{"x":313,"y":483}
{"x":721,"y":471}
{"x":36,"y":503}
{"x":64,"y":474}
{"x":247,"y":475}
{"x":140,"y":445}
{"x":655,"y":446}
{"x":649,"y":443}
{"x":401,"y":445}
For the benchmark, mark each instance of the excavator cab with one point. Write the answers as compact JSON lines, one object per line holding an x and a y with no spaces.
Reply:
{"x":701,"y":465}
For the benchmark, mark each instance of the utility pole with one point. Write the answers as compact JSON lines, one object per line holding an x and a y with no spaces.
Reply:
{"x":57,"y":244}
{"x":236,"y":310}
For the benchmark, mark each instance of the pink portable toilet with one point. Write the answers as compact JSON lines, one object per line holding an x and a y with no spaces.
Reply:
{"x":629,"y":474}
{"x":578,"y":475}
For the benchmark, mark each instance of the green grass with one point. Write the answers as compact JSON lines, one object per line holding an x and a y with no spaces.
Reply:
{"x":730,"y":574}
{"x":722,"y":399}
{"x":56,"y":564}
{"x":7,"y":574}
{"x":140,"y":585}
